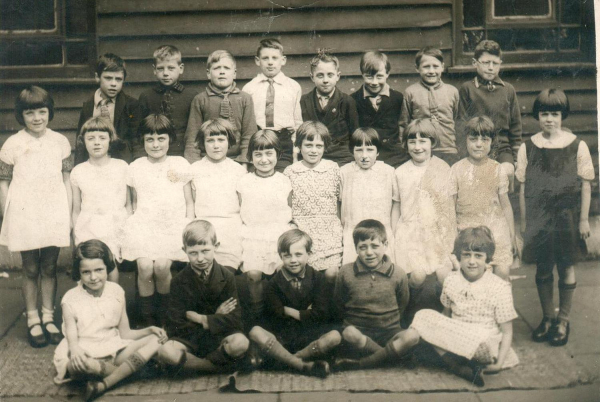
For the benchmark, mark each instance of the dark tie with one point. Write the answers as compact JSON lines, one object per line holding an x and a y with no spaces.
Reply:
{"x":270,"y":105}
{"x":202,"y":276}
{"x":225,"y":111}
{"x":296,"y":284}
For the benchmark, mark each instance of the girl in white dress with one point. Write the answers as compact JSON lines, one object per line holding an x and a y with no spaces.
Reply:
{"x":98,"y":340}
{"x":101,"y":201}
{"x":162,"y":201}
{"x":35,"y":196}
{"x":427,"y":227}
{"x":214,"y":180}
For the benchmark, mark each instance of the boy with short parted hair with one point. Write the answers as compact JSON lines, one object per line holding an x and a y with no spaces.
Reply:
{"x":379,"y":107}
{"x":432,"y":98}
{"x":327,"y":104}
{"x":371,"y":295}
{"x":168,"y":97}
{"x":276,"y":98}
{"x":222,"y":100}
{"x":111,"y":102}
{"x":298,"y":307}
{"x":488,"y":95}
{"x":204,"y":318}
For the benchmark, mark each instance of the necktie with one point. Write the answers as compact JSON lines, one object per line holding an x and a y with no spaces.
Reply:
{"x":225,"y":111}
{"x":104,"y":112}
{"x":375,"y":101}
{"x":296,"y":283}
{"x":203,"y":276}
{"x":323,"y":101}
{"x":270,"y":105}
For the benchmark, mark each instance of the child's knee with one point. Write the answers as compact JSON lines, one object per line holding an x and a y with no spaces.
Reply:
{"x":48,"y":270}
{"x":254,"y":276}
{"x":503,"y":271}
{"x":331,"y":274}
{"x":332,"y":338}
{"x":236,"y":345}
{"x":170,"y":352}
{"x":566,"y":274}
{"x":145,"y":268}
{"x":31,"y":271}
{"x":416,"y":278}
{"x":259,"y":335}
{"x":410,"y":337}
{"x":352,"y":335}
{"x":162,"y":268}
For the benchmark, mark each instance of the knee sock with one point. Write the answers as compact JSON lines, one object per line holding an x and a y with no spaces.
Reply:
{"x":33,"y":318}
{"x":370,"y":347}
{"x":48,"y":317}
{"x":198,"y":364}
{"x":162,"y":309}
{"x":565,"y":296}
{"x":130,"y":366}
{"x":379,"y":357}
{"x":316,"y":349}
{"x":146,"y":309}
{"x":545,"y":288}
{"x":276,"y":351}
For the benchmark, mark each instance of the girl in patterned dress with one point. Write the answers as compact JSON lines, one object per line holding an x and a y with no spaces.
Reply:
{"x":35,"y":196}
{"x":475,"y":327}
{"x":98,"y":340}
{"x":315,"y":192}
{"x":101,"y":201}
{"x":480,"y":189}
{"x":214,"y":180}
{"x":161,"y":195}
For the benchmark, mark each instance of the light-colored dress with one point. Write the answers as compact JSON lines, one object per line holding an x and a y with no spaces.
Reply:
{"x":217,"y":202}
{"x":155,"y":228}
{"x":367,"y":194}
{"x":103,"y":197}
{"x":426,"y":230}
{"x":97,"y":320}
{"x":478,"y":188}
{"x":37,"y":213}
{"x":478,"y":308}
{"x":266,"y":215}
{"x":314,"y":208}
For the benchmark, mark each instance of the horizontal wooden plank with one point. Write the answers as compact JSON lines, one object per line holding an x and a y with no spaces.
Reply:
{"x":140,"y":6}
{"x":70,"y":134}
{"x":196,"y":23}
{"x":577,"y":122}
{"x":64,"y":119}
{"x":294,"y":43}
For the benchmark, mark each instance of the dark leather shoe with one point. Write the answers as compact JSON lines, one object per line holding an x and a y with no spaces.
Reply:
{"x":319,"y":369}
{"x":92,"y":390}
{"x":36,"y":341}
{"x":544,"y":331}
{"x":560,"y":335}
{"x":342,"y":364}
{"x":53,"y":338}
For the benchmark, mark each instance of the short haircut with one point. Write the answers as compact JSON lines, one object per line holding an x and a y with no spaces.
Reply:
{"x":487,"y":46}
{"x":551,"y":100}
{"x":323,"y":56}
{"x":166,"y":52}
{"x":293,"y":236}
{"x":269,"y":43}
{"x":217,"y":55}
{"x":475,"y":239}
{"x":424,"y":128}
{"x":159,"y":124}
{"x":371,"y":62}
{"x":369,"y":229}
{"x":199,"y":233}
{"x":364,"y":135}
{"x":480,"y":126}
{"x":429,"y":51}
{"x":98,"y":124}
{"x":263,"y":139}
{"x":33,"y":97}
{"x":90,"y":250}
{"x":110,"y":62}
{"x":213,"y":128}
{"x":309,"y":130}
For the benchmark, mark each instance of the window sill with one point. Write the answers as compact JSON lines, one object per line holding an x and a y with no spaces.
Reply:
{"x":584,"y":66}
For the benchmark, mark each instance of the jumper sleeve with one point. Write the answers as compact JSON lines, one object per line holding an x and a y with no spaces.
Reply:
{"x":248,"y":127}
{"x":227,"y":323}
{"x":585,"y":166}
{"x":192,"y":154}
{"x":177,"y":323}
{"x":521,"y":163}
{"x":406,"y":113}
{"x":273,"y":300}
{"x":515,"y":127}
{"x":340,"y":295}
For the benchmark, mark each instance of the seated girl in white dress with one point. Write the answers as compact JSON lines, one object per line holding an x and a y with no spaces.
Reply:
{"x":98,"y":340}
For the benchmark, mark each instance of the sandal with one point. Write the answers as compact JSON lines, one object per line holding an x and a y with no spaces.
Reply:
{"x":36,"y":341}
{"x":53,"y":338}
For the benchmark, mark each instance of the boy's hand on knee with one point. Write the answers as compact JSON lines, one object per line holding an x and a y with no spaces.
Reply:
{"x":227,"y":306}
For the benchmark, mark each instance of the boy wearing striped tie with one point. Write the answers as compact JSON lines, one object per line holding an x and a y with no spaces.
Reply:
{"x":222,"y":99}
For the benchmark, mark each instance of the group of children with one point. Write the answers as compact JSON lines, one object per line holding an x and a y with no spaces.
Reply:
{"x":360,"y":196}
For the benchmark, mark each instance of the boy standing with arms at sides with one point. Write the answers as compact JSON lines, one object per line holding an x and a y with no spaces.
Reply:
{"x":379,"y":107}
{"x":432,"y":99}
{"x":168,"y":97}
{"x":298,"y":311}
{"x":111,"y":103}
{"x":204,"y":323}
{"x":488,"y":95}
{"x":222,"y":100}
{"x":330,"y":106}
{"x":371,"y":295}
{"x":276,"y":98}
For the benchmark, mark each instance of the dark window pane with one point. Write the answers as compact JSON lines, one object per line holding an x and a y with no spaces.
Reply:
{"x":571,"y":11}
{"x":76,"y":17}
{"x":471,"y":39}
{"x":513,"y":8}
{"x":77,"y":53}
{"x":569,"y":39}
{"x":473,"y":13}
{"x":524,"y":39}
{"x":23,"y":53}
{"x":27,"y":15}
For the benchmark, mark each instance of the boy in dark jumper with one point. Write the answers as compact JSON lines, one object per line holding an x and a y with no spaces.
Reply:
{"x":379,"y":107}
{"x":330,"y":106}
{"x":204,"y":321}
{"x":111,"y":102}
{"x":371,"y":295}
{"x":298,"y":311}
{"x":168,"y":97}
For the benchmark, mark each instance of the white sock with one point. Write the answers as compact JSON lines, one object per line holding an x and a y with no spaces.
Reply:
{"x":33,"y":318}
{"x":48,"y":318}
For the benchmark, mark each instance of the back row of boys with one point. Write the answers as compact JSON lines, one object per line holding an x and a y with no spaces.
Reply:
{"x":273,"y":100}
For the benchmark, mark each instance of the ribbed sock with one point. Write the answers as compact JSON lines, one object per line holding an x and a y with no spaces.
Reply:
{"x":33,"y":318}
{"x":565,"y":296}
{"x":545,"y":288}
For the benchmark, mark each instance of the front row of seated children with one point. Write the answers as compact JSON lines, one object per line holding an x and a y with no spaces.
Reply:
{"x":204,"y":325}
